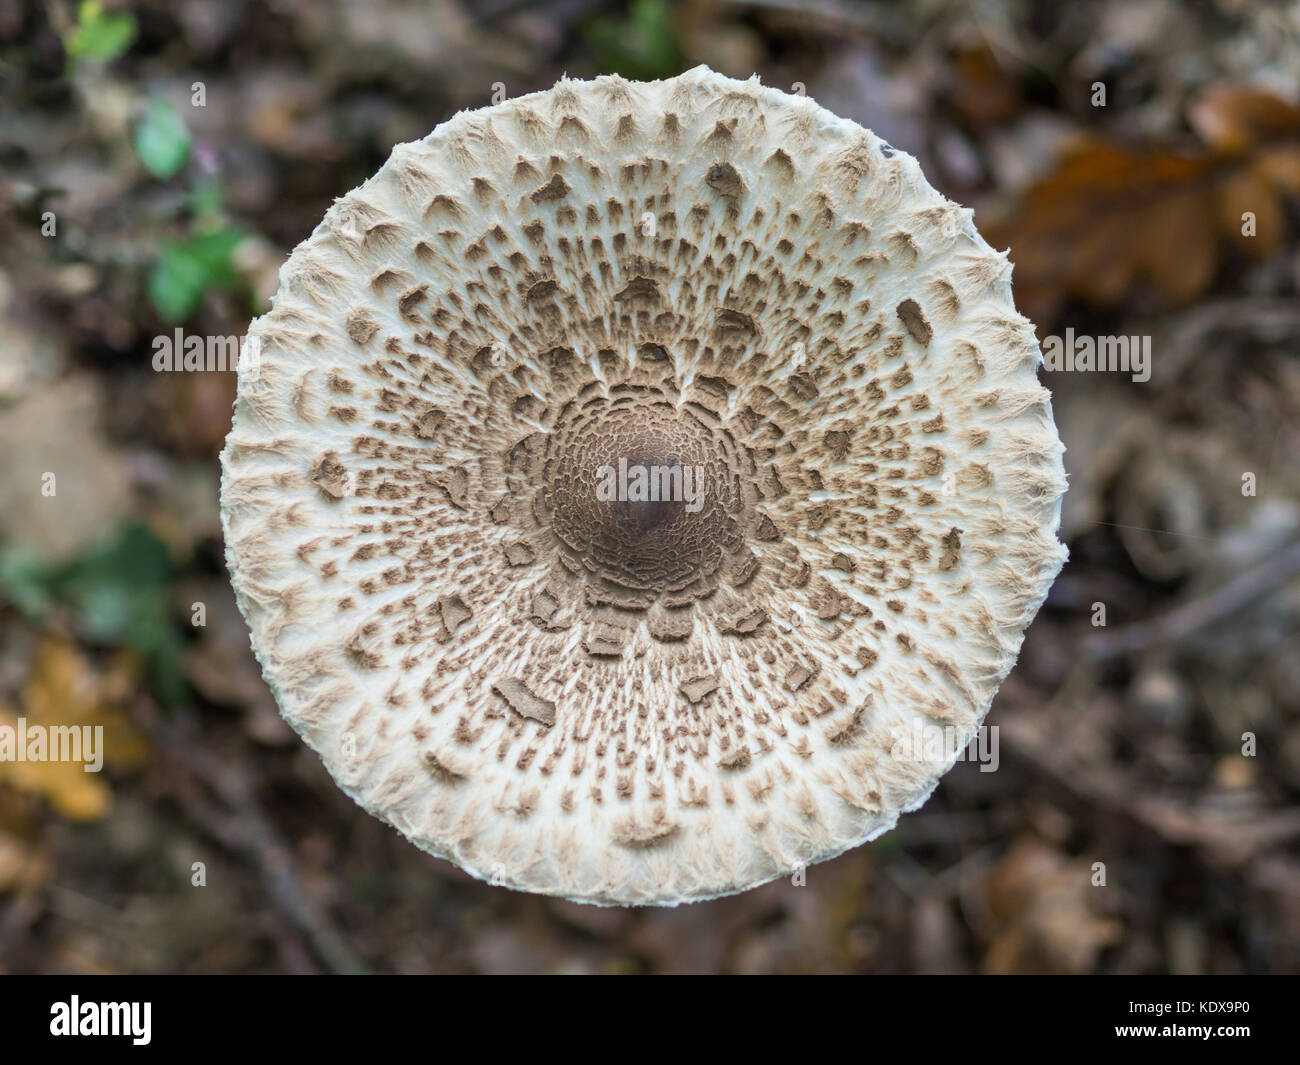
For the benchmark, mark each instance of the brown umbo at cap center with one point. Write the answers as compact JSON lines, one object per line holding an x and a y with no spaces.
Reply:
{"x":641,"y":493}
{"x":614,"y":699}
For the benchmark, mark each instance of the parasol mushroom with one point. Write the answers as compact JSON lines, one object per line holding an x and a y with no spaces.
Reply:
{"x":627,"y":467}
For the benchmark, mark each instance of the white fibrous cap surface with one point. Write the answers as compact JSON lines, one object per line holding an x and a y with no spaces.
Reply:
{"x":625,"y":700}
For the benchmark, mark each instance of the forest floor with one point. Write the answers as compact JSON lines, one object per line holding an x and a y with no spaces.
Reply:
{"x":1145,"y":811}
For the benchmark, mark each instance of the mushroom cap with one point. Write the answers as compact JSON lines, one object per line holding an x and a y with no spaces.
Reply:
{"x":618,"y":700}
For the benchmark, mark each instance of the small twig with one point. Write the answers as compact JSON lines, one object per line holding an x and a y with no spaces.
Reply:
{"x":245,"y":827}
{"x":1163,"y":532}
{"x":560,"y":11}
{"x":830,"y":12}
{"x":1189,"y":329}
{"x":1235,"y":838}
{"x":1193,"y":616}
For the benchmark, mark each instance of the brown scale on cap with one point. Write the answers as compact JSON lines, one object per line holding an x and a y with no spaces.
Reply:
{"x":631,"y":699}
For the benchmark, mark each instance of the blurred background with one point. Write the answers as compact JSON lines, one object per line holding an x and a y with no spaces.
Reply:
{"x":158,"y":161}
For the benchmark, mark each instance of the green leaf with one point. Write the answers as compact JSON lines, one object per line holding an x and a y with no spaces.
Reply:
{"x":186,"y":270}
{"x":119,"y":585}
{"x":120,"y":593}
{"x":207,"y":200}
{"x":99,"y":35}
{"x":161,"y":140}
{"x":176,"y":284}
{"x":26,"y":581}
{"x":643,"y":46}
